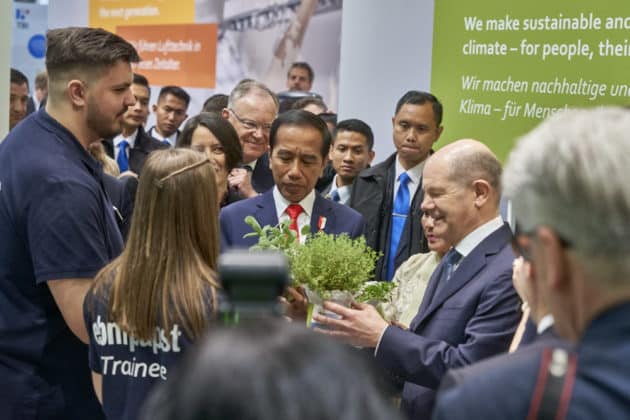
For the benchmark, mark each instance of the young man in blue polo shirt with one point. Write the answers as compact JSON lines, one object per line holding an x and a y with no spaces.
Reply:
{"x":57,"y":225}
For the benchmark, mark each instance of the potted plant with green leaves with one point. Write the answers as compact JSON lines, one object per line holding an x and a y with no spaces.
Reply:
{"x":326,"y":266}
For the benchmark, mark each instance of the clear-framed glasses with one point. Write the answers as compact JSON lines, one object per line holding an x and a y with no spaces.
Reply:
{"x":249,"y":124}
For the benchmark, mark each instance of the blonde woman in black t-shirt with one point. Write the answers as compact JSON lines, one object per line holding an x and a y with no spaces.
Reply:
{"x":149,"y":304}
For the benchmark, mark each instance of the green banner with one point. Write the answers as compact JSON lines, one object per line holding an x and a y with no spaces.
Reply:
{"x":499,"y":67}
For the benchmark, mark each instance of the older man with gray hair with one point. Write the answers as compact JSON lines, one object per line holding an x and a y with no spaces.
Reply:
{"x":251,"y":109}
{"x":567,"y":181}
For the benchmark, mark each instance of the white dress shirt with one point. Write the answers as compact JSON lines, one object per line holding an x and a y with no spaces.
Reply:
{"x":344,"y":191}
{"x":131,"y":140}
{"x":172,"y":139}
{"x":415,"y":175}
{"x":474,"y":238}
{"x":304,"y":218}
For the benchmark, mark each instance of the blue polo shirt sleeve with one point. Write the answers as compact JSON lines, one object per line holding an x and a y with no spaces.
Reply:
{"x":67,"y":231}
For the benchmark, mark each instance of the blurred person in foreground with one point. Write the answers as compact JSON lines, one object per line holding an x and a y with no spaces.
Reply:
{"x":270,"y":370}
{"x":567,"y":182}
{"x":147,"y":306}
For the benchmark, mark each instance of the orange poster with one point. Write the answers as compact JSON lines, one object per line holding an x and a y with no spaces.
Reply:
{"x":109,"y":14}
{"x":182,"y":55}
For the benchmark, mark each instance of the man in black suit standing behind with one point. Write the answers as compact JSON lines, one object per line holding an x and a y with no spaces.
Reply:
{"x":132,"y":146}
{"x":393,"y":213}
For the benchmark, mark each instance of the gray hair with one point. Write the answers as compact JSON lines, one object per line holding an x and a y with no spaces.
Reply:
{"x":569,"y":173}
{"x":250,"y":86}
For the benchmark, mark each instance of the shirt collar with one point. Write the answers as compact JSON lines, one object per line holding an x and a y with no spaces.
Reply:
{"x":131,"y":139}
{"x":344,"y":191}
{"x":474,"y":238}
{"x":414,"y":173}
{"x":282,"y":203}
{"x":171,"y":139}
{"x":251,"y":164}
{"x":545,"y":323}
{"x":63,"y":134}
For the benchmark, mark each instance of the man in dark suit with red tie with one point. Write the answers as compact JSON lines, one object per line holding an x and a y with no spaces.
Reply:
{"x":470,"y":308}
{"x":299,"y":142}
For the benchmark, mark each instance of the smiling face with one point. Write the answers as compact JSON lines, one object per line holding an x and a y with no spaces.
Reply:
{"x":251,"y":116}
{"x":436,"y":243}
{"x":204,"y":141}
{"x":297,"y":161}
{"x":415,"y":132}
{"x":450,"y":204}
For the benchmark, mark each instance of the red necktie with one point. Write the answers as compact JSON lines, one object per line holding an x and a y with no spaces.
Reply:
{"x":294,"y":210}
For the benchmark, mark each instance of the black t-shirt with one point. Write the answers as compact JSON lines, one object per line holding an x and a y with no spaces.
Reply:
{"x":56,"y":222}
{"x":129,"y":367}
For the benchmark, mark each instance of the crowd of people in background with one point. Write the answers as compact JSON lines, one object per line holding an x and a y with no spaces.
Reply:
{"x":111,"y":232}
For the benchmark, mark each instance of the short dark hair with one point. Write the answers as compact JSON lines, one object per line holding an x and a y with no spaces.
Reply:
{"x":303,"y":65}
{"x":18,"y":78}
{"x":221,"y":129}
{"x":300,"y":118}
{"x":329,"y":117}
{"x":176,"y":91}
{"x":309,"y":100}
{"x":85,"y":49}
{"x":216,"y":103}
{"x":416,"y":97}
{"x":139,"y":79}
{"x":269,"y":369}
{"x":357,"y":126}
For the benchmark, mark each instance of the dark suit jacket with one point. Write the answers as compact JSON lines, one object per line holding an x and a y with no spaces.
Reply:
{"x":339,"y":219}
{"x":497,"y":388}
{"x":373,"y":197}
{"x":262,"y":178}
{"x":472,"y":317}
{"x":143,"y":145}
{"x":122,"y":194}
{"x":601,"y":389}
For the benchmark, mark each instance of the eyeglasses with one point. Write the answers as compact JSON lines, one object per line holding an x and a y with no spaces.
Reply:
{"x":251,"y":125}
{"x":521,"y":241}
